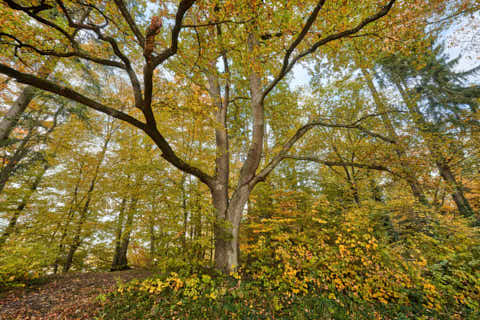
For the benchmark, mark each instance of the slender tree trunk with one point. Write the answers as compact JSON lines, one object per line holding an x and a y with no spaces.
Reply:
{"x":118,"y":236}
{"x":411,"y":178}
{"x":120,"y":256}
{"x":10,"y":120}
{"x":13,"y":220}
{"x":434,"y":147}
{"x":77,"y":239}
{"x":152,"y":241}
{"x":199,"y":248}
{"x":13,"y":161}
{"x":185,"y":214}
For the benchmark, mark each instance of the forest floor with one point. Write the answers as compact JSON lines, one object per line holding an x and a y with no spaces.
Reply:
{"x":69,"y":296}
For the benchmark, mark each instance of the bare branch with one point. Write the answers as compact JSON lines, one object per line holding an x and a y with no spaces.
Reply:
{"x":288,"y":65}
{"x":19,"y":44}
{"x":68,"y":93}
{"x":167,"y":152}
{"x":163,"y":56}
{"x":262,"y":175}
{"x":167,"y":53}
{"x":131,"y":22}
{"x":339,"y":163}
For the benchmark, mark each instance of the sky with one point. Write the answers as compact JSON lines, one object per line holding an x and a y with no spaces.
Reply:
{"x":461,"y":39}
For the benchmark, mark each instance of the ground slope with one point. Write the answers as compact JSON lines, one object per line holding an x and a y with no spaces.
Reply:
{"x":70,"y":296}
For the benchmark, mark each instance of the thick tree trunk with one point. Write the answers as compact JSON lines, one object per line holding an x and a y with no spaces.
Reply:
{"x":227,"y":229}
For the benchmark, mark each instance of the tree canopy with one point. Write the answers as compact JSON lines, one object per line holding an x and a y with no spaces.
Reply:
{"x":170,"y":134}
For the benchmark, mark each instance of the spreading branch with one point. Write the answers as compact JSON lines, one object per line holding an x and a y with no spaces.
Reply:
{"x":262,"y":175}
{"x":167,"y":152}
{"x":289,"y":64}
{"x":339,"y":163}
{"x":131,"y":22}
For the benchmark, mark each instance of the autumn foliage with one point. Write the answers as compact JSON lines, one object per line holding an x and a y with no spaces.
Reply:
{"x":311,"y":159}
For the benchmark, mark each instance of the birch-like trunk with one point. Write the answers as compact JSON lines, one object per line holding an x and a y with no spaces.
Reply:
{"x":10,"y":119}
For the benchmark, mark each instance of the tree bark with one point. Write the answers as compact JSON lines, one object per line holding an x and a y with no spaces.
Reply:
{"x":10,"y":120}
{"x":118,"y":236}
{"x":120,"y":261}
{"x":457,"y":189}
{"x":185,"y":214}
{"x":153,"y":240}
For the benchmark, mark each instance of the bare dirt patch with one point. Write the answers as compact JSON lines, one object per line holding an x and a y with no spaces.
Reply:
{"x":70,"y":296}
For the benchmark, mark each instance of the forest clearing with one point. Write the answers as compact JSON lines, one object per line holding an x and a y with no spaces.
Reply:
{"x":239,"y":159}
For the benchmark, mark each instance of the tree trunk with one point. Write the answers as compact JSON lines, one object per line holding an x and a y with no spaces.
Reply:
{"x":10,"y":120}
{"x":13,"y":220}
{"x":434,"y":147}
{"x":411,"y":178}
{"x":227,"y":229}
{"x":185,"y":215}
{"x":77,"y":239}
{"x":120,"y":256}
{"x":67,"y":264}
{"x":353,"y":185}
{"x":152,"y":241}
{"x":118,"y":236}
{"x":457,"y":193}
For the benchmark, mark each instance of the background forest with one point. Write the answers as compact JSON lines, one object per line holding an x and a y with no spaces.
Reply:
{"x":259,"y":159}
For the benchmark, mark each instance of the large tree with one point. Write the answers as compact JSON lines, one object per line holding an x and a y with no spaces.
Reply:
{"x":212,"y":58}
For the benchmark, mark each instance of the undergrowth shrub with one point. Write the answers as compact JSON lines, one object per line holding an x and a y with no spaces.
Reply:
{"x":374,"y":262}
